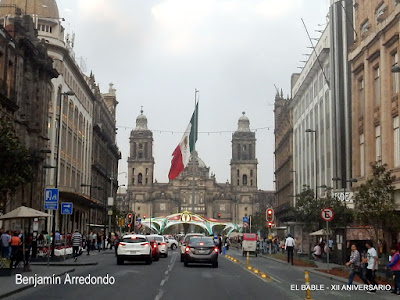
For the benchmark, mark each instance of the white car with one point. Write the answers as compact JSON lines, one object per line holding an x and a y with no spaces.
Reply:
{"x":171,"y":242}
{"x":162,"y":245}
{"x":183,"y":243}
{"x":134,"y":247}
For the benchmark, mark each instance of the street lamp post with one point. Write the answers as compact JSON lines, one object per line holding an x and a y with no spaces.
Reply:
{"x":55,"y":213}
{"x":315,"y":159}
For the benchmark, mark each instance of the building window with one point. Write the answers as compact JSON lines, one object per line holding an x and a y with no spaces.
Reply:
{"x":361,"y":97}
{"x":244,"y":180}
{"x":238,"y":182}
{"x":378,"y":155}
{"x":362,"y":154}
{"x":140,"y":179}
{"x":251,"y":182}
{"x":222,"y":207}
{"x":365,"y":27}
{"x":138,"y":208}
{"x":251,"y":173}
{"x":395,"y":75}
{"x":162,"y":206}
{"x":238,"y":173}
{"x":147,"y":181}
{"x":201,"y":198}
{"x":133,"y":171}
{"x":377,"y":85}
{"x":396,"y":141}
{"x":147,"y":172}
{"x":245,"y":209}
{"x":133,"y":181}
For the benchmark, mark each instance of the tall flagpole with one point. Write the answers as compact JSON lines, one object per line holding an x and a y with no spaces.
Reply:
{"x":194,"y":149}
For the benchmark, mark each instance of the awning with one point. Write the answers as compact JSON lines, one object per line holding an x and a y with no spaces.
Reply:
{"x":320,"y":232}
{"x":24,"y":212}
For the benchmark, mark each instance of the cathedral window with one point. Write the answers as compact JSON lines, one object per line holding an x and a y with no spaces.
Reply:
{"x":140,"y":154}
{"x":147,"y":171}
{"x":238,"y":173}
{"x":251,"y":173}
{"x":140,"y":179}
{"x":251,"y":182}
{"x":133,"y":181}
{"x":133,"y":171}
{"x":238,"y":182}
{"x":147,"y":181}
{"x":245,"y":209}
{"x":245,"y":179}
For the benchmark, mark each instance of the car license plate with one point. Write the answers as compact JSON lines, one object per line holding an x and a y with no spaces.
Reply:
{"x":203,"y":251}
{"x":132,"y":252}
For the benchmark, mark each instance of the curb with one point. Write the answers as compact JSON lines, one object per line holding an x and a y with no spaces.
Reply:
{"x":66,"y":264}
{"x":18,"y":290}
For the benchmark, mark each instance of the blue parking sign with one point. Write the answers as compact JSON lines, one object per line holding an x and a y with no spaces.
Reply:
{"x":66,"y":208}
{"x":245,"y":220}
{"x":51,"y":199}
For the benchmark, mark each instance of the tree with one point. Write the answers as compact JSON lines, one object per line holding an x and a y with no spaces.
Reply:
{"x":15,"y":162}
{"x":374,"y":201}
{"x":308,"y":211}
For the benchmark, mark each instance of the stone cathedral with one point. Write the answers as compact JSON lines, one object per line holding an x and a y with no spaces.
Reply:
{"x":224,"y":201}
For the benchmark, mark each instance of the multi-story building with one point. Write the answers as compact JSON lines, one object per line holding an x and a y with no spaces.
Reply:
{"x":226,"y":201}
{"x":25,"y":93}
{"x":375,"y":89}
{"x":284,"y":172}
{"x":71,"y":118}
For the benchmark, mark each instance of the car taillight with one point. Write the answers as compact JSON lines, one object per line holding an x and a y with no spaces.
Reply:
{"x":216,"y":250}
{"x":144,"y":244}
{"x":163,"y":244}
{"x":201,"y":243}
{"x":155,"y":246}
{"x":187,"y":249}
{"x":121,"y":244}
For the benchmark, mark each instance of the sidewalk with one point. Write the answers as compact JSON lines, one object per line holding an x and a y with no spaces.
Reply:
{"x":83,"y":260}
{"x":9,"y":287}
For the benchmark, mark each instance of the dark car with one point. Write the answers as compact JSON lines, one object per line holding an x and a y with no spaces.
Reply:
{"x":201,"y":250}
{"x":154,"y":249}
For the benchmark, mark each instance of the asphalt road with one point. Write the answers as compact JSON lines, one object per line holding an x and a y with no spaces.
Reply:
{"x":169,"y":279}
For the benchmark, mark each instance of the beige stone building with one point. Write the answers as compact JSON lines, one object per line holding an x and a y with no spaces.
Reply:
{"x":375,"y":89}
{"x":224,"y":201}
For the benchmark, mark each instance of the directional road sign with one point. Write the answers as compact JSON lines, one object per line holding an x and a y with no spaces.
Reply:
{"x":327,"y":214}
{"x":51,"y":199}
{"x":66,"y":208}
{"x":245,"y":220}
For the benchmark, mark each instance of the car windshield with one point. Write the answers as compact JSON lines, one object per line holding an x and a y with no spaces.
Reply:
{"x":195,"y":242}
{"x":133,"y":240}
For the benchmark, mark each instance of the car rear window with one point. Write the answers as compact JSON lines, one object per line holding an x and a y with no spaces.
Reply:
{"x":133,"y":240}
{"x":188,"y":238}
{"x":197,"y":242}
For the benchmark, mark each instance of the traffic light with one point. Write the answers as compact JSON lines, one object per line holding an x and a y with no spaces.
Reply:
{"x":270,"y":215}
{"x":129,"y":225}
{"x":129,"y":218}
{"x":269,"y":224}
{"x":219,"y":216}
{"x":144,"y":217}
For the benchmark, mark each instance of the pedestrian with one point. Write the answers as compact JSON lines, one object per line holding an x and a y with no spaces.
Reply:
{"x":116,"y":243}
{"x":94,"y":241}
{"x":394,"y":265}
{"x":289,"y":247}
{"x":99,"y":239}
{"x":372,"y":264}
{"x":58,"y":236}
{"x":76,"y":243}
{"x":330,"y":244}
{"x":109,"y":240}
{"x":15,"y":242}
{"x":220,"y":244}
{"x":89,"y":239}
{"x":5,"y":242}
{"x":1,"y":244}
{"x":317,"y":252}
{"x":355,"y":264}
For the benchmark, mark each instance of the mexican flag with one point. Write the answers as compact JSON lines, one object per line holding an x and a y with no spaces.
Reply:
{"x":181,"y":154}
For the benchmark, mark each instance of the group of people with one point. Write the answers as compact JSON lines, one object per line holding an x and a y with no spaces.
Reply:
{"x":371,"y":261}
{"x":322,"y":248}
{"x":11,"y":246}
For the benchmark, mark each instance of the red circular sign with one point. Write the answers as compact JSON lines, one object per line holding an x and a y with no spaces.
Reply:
{"x":327,"y":214}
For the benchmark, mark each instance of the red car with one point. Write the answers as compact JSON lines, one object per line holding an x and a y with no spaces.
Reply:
{"x":154,"y":248}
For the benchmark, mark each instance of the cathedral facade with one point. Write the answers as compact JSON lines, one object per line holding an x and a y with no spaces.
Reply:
{"x":195,"y":190}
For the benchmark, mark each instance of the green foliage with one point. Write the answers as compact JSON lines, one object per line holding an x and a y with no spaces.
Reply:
{"x":16,"y":168}
{"x":374,"y":201}
{"x":308,"y":211}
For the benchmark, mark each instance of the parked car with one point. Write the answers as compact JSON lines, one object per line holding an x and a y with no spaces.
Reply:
{"x":134,"y":247}
{"x":201,"y":250}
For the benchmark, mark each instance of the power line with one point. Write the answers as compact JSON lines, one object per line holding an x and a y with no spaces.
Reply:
{"x":200,"y":132}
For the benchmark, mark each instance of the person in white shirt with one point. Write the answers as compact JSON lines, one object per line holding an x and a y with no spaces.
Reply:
{"x":372,"y":261}
{"x":317,"y":251}
{"x":289,"y":247}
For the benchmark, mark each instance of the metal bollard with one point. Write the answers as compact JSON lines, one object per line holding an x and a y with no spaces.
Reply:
{"x":248,"y":257}
{"x":307,"y":279}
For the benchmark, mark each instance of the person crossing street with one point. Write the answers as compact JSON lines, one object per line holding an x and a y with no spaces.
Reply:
{"x":289,"y":247}
{"x":76,"y":243}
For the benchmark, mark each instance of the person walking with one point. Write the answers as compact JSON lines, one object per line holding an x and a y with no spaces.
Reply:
{"x":289,"y":247}
{"x":76,"y":243}
{"x":15,"y":242}
{"x":394,"y":266}
{"x":5,"y":240}
{"x":372,"y":264}
{"x":89,"y":239}
{"x":355,"y":264}
{"x":116,"y":243}
{"x":99,"y":240}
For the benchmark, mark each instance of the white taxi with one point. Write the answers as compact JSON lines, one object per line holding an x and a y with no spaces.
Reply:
{"x":134,"y":247}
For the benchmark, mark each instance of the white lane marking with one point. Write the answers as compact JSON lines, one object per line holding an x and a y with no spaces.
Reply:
{"x":165,"y":279}
{"x":274,"y":279}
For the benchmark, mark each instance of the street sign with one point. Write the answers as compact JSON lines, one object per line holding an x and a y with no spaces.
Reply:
{"x":327,"y":214}
{"x":245,"y":220}
{"x":66,"y":208}
{"x":245,"y":225}
{"x":110,"y":212}
{"x":110,"y":201}
{"x":51,"y":199}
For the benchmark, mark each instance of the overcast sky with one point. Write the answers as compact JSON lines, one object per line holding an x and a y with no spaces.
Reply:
{"x":157,"y":52}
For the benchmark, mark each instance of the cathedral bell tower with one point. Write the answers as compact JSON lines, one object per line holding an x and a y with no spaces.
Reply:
{"x":244,"y":161}
{"x":141,"y":161}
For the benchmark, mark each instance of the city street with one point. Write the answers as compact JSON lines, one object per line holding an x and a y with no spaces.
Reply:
{"x":169,"y":279}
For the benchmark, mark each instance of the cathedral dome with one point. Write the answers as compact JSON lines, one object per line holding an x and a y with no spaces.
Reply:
{"x":244,"y":123}
{"x":42,"y":8}
{"x":141,"y":122}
